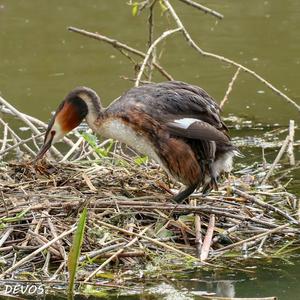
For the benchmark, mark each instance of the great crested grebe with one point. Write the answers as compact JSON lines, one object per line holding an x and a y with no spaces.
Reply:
{"x":175,"y":123}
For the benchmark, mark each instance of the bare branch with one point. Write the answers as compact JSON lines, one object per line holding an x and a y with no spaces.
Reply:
{"x":278,"y":157}
{"x":224,"y":59}
{"x":225,"y":99}
{"x":203,"y":8}
{"x":151,"y":48}
{"x":118,"y":45}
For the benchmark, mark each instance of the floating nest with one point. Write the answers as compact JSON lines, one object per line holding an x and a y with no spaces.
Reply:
{"x":133,"y":223}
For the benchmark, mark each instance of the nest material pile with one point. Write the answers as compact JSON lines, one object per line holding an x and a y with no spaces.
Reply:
{"x":131,"y":220}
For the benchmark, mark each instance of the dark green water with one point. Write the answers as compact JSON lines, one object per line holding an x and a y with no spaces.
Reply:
{"x":40,"y":61}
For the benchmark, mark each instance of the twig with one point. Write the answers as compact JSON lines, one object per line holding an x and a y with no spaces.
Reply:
{"x":278,"y":157}
{"x":254,"y":237}
{"x":5,"y":235}
{"x":208,"y":238}
{"x":265,"y":205}
{"x":71,"y":151}
{"x":150,"y":38}
{"x":43,"y":241}
{"x":154,"y":241}
{"x":224,"y":59}
{"x":162,"y":37}
{"x":34,"y":253}
{"x":118,"y":45}
{"x":134,"y":240}
{"x":20,"y":115}
{"x":54,"y":235}
{"x":98,"y":252}
{"x":198,"y":234}
{"x":20,"y":143}
{"x":203,"y":8}
{"x":225,"y":99}
{"x":151,"y":24}
{"x":35,"y":121}
{"x":23,"y":118}
{"x":17,"y":138}
{"x":290,"y":149}
{"x":4,"y":141}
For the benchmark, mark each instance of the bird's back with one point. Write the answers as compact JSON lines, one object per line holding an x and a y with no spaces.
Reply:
{"x":170,"y":100}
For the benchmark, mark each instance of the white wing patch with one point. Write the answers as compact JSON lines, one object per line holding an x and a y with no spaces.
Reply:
{"x":185,"y":123}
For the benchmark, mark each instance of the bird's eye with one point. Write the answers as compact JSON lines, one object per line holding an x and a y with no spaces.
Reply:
{"x":52,"y":132}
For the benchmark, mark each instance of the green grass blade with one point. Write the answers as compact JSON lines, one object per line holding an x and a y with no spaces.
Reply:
{"x":75,"y":252}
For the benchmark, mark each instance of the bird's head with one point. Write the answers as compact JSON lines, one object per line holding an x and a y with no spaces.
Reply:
{"x":70,"y":113}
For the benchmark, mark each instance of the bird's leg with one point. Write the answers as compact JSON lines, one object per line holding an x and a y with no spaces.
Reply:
{"x":184,"y":194}
{"x":212,"y":184}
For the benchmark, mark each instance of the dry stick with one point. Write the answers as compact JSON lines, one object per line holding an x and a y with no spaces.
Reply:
{"x":254,"y":237}
{"x":198,"y":234}
{"x":43,"y":241}
{"x":5,"y":235}
{"x":4,"y":141}
{"x":203,"y":8}
{"x":54,"y":235}
{"x":21,"y":143}
{"x":30,"y":118}
{"x":162,"y":37}
{"x":35,"y":121}
{"x":74,"y":148}
{"x":34,"y":253}
{"x":154,"y":241}
{"x":96,"y":253}
{"x":17,"y":138}
{"x":290,"y":149}
{"x":208,"y":238}
{"x":225,"y":99}
{"x":37,"y":225}
{"x":278,"y":157}
{"x":264,"y":204}
{"x":118,"y":45}
{"x":19,"y":115}
{"x":224,"y":59}
{"x":23,"y":118}
{"x":134,"y":240}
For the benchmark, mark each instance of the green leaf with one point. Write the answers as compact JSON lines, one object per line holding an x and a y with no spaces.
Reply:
{"x":165,"y":233}
{"x":75,"y":252}
{"x":92,"y":141}
{"x":93,"y":291}
{"x":141,"y":160}
{"x":163,"y":7}
{"x":16,"y":218}
{"x":135,"y":9}
{"x":105,"y":275}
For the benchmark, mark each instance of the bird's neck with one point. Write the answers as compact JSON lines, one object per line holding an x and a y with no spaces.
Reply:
{"x":95,"y":109}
